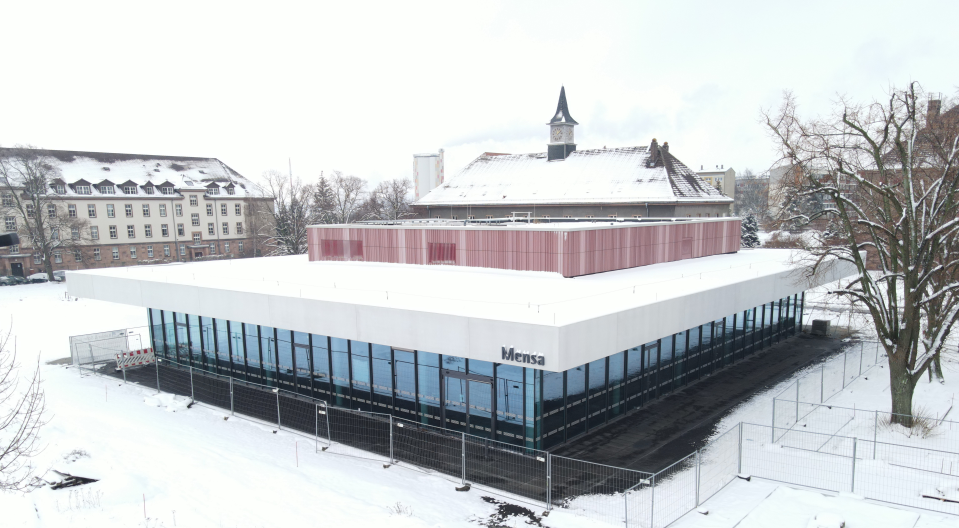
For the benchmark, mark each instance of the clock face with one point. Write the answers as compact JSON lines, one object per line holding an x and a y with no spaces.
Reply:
{"x":556,"y":134}
{"x":568,"y":135}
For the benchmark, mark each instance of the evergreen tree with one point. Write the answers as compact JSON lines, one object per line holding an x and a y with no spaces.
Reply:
{"x":750,"y":232}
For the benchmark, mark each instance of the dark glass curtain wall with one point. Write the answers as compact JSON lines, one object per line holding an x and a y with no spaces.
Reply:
{"x":506,"y":402}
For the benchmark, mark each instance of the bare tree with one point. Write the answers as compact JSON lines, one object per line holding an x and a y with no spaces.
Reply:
{"x":339,"y":199}
{"x":888,"y":175}
{"x":391,"y":199}
{"x":22,"y":407}
{"x":290,"y":215}
{"x":28,"y":181}
{"x":752,"y":195}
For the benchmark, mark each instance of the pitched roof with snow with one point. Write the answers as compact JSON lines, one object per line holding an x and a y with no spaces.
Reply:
{"x":143,"y":170}
{"x":620,"y":175}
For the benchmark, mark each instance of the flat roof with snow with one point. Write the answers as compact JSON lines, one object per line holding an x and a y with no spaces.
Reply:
{"x":462,"y":311}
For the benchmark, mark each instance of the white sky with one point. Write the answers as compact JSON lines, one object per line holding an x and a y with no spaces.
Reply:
{"x":360,"y":87}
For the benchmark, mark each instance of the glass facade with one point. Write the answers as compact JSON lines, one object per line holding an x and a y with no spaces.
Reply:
{"x":506,"y":402}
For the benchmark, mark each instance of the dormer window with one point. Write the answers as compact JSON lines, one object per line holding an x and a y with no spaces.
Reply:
{"x":59,"y":188}
{"x":213,"y":190}
{"x":231,"y":191}
{"x":107,"y":189}
{"x":83,"y":189}
{"x":129,"y":189}
{"x":148,"y":190}
{"x":166,"y":190}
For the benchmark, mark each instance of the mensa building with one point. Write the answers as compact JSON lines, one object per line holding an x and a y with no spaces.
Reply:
{"x":524,"y":330}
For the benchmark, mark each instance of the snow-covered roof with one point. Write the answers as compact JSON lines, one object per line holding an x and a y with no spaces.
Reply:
{"x":617,"y":175}
{"x":458,"y":310}
{"x":144,"y":170}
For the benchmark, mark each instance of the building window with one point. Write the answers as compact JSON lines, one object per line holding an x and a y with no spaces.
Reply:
{"x":107,"y":189}
{"x":226,"y":228}
{"x":54,"y":234}
{"x":91,"y":210}
{"x":51,"y":211}
{"x":30,"y":210}
{"x":226,"y":247}
{"x":133,"y":252}
{"x":72,"y":210}
{"x":239,"y":228}
{"x":110,"y":212}
{"x":37,"y":258}
{"x":58,"y":188}
{"x":442,"y":253}
{"x":179,"y":230}
{"x":75,"y":233}
{"x":77,"y":257}
{"x":96,"y":253}
{"x":7,"y":200}
{"x":179,"y":209}
{"x":94,"y":233}
{"x":128,"y":209}
{"x":146,"y":210}
{"x":195,"y":219}
{"x":166,"y":250}
{"x":213,"y":248}
{"x":196,"y":238}
{"x":116,"y":253}
{"x":129,"y":189}
{"x":237,"y":209}
{"x":131,"y":231}
{"x":14,"y":249}
{"x":222,"y":209}
{"x":567,"y":216}
{"x":83,"y":189}
{"x":240,"y":246}
{"x":148,"y":189}
{"x":148,"y":230}
{"x":489,"y":216}
{"x":210,"y":229}
{"x":589,"y":216}
{"x":162,"y":209}
{"x":149,"y":251}
{"x":209,"y":209}
{"x":10,"y":223}
{"x":193,"y":201}
{"x":57,"y":257}
{"x":113,"y":231}
{"x":182,"y":251}
{"x":164,"y":230}
{"x":611,"y":216}
{"x":213,"y":190}
{"x":231,"y":191}
{"x":166,"y":190}
{"x":470,"y":217}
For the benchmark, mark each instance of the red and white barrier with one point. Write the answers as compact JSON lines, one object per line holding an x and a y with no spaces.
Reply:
{"x":135,"y":358}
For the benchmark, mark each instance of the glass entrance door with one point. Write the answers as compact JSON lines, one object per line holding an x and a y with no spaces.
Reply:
{"x":480,"y":409}
{"x":455,"y":403}
{"x":468,"y":403}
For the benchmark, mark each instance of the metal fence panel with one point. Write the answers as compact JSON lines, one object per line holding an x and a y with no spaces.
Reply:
{"x":808,"y":459}
{"x":174,"y":380}
{"x":675,"y":491}
{"x":909,"y":476}
{"x":719,"y":463}
{"x":212,"y":389}
{"x":429,"y":448}
{"x":255,"y":402}
{"x":596,"y":490}
{"x":298,"y":414}
{"x":360,"y":434}
{"x":513,"y":469}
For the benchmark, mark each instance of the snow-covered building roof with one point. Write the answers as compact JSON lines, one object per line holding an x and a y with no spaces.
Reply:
{"x":618,"y":175}
{"x":93,"y":170}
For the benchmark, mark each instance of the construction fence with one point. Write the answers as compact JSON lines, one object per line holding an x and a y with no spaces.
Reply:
{"x":913,"y":476}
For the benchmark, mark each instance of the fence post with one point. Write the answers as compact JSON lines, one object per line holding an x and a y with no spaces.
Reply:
{"x":279,"y":423}
{"x":875,"y":435}
{"x":853,"y":490}
{"x":549,"y":482}
{"x":156,"y":363}
{"x":860,"y":358}
{"x":844,"y":352}
{"x":822,"y":381}
{"x":740,"y":463}
{"x":625,"y":506}
{"x":652,"y":501}
{"x":316,"y":431}
{"x":463,"y":449}
{"x":124,"y":371}
{"x":797,"y":401}
{"x":391,"y":439}
{"x":191,"y":383}
{"x":329,"y":433}
{"x":772,"y":432}
{"x":697,"y":477}
{"x":231,"y":397}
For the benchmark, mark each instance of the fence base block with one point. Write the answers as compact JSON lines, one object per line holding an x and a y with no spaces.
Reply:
{"x":386,"y":466}
{"x":465,"y":487}
{"x":745,"y":477}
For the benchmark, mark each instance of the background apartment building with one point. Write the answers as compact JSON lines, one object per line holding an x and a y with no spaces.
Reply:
{"x":126,"y":209}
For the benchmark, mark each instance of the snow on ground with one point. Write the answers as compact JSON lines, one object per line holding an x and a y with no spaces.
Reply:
{"x":764,"y":504}
{"x":191,"y":467}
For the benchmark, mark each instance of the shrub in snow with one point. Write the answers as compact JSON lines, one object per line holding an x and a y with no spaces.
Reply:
{"x":750,"y":232}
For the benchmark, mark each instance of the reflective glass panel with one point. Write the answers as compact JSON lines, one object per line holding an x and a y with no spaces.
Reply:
{"x":340,"y":357}
{"x":321,"y":367}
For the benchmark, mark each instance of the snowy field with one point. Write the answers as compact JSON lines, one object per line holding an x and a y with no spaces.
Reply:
{"x":160,"y":464}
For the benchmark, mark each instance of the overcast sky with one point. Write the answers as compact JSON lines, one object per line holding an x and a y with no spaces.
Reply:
{"x":361,"y":87}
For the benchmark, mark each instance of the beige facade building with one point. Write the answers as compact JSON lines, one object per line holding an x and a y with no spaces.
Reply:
{"x":128,"y":209}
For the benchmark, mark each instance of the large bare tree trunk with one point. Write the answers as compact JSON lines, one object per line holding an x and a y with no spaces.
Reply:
{"x":901,"y":387}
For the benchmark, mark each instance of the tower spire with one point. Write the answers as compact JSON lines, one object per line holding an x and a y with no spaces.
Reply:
{"x":562,"y":110}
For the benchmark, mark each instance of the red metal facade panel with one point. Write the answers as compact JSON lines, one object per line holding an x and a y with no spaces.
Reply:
{"x":571,"y":253}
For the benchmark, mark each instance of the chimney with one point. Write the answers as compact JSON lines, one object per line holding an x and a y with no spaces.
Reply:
{"x":665,"y":147}
{"x":932,"y":111}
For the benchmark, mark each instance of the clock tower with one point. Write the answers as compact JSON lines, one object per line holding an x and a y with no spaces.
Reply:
{"x":561,"y":131}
